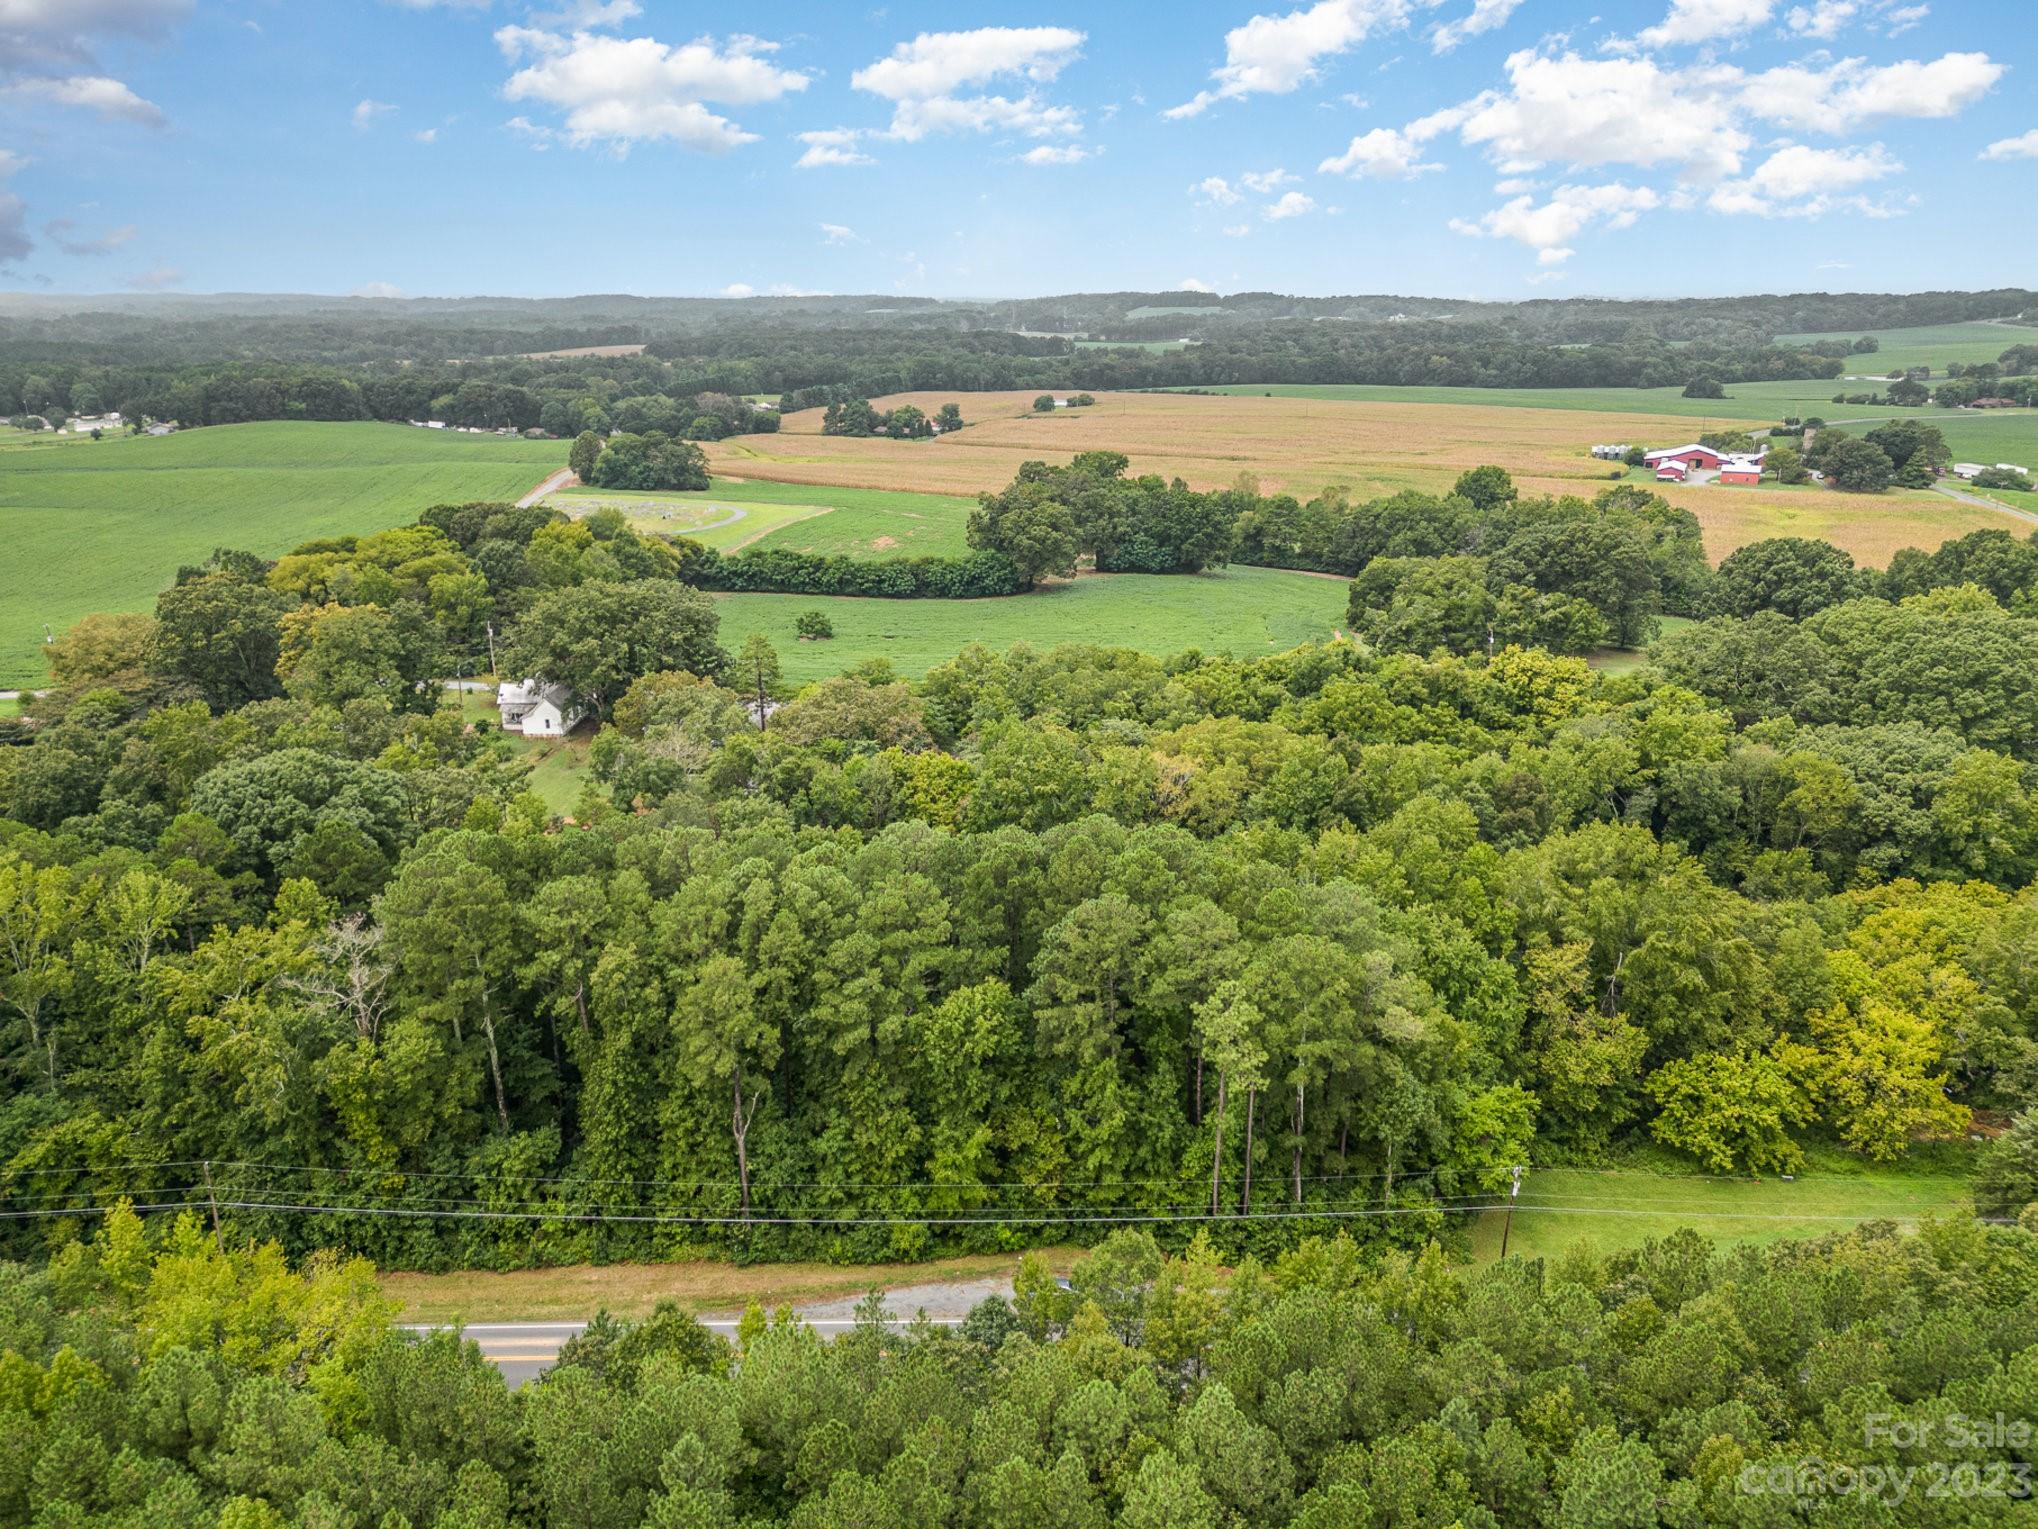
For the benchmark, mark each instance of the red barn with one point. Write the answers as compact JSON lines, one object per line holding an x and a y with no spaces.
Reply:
{"x":1689,"y":456}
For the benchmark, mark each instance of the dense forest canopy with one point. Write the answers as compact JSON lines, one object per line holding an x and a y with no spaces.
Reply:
{"x":1052,"y":933}
{"x":1872,"y":1378}
{"x":326,"y":358}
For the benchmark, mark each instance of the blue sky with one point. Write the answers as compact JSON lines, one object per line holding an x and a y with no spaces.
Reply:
{"x":1479,"y":148}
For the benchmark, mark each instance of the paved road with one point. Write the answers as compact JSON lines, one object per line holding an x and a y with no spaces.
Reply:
{"x":1986,"y":504}
{"x":551,"y":485}
{"x":525,"y":1350}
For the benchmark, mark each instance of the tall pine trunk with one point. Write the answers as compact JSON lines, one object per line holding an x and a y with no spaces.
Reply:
{"x":1297,"y":1169}
{"x":494,"y":1056}
{"x":1217,"y":1145}
{"x":1245,"y":1200}
{"x":739,"y":1128}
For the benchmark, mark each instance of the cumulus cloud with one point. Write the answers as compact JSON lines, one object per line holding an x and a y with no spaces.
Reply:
{"x":1217,"y":191}
{"x":621,"y":91}
{"x":1697,"y":21}
{"x":426,"y":135}
{"x":366,"y":111}
{"x":1056,"y":154}
{"x":1549,"y":227}
{"x":1264,"y":181}
{"x":1842,"y":96}
{"x":831,"y":146}
{"x":839,"y":234}
{"x":1802,"y":182}
{"x":2023,"y":146}
{"x":1382,"y":154}
{"x":1825,"y":19}
{"x":64,"y":235}
{"x":1292,"y":205}
{"x":1485,"y":16}
{"x":924,"y":80}
{"x":1191,"y":284}
{"x":1273,"y":55}
{"x":156,"y":279}
{"x":1564,"y":109}
{"x":91,"y":92}
{"x":739,"y":289}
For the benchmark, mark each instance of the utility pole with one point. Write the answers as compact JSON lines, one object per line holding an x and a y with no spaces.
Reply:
{"x":218,"y":1241}
{"x":1512,"y":1195}
{"x":491,"y":650}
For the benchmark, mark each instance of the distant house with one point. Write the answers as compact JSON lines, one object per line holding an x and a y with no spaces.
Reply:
{"x":1968,"y":469}
{"x":1995,"y":403}
{"x":1671,"y":472}
{"x":1691,"y":456}
{"x":162,"y":427}
{"x":536,"y":709}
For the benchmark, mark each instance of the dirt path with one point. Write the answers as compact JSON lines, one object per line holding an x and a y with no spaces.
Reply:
{"x":551,"y":485}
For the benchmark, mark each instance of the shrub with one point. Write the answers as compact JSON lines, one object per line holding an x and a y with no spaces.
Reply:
{"x":813,"y":626}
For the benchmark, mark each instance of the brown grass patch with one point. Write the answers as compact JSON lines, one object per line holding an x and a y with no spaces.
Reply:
{"x":631,"y":1290}
{"x":1302,"y":446}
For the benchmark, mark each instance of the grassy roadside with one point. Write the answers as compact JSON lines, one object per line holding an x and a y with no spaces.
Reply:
{"x":1617,"y":1208}
{"x":703,"y":1286}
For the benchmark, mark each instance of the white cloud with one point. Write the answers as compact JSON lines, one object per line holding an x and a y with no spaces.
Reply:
{"x":426,"y":135}
{"x":1056,"y":154}
{"x":1850,"y":92}
{"x":377,"y":289}
{"x":1824,"y":19}
{"x":1485,"y":16}
{"x":622,"y":91}
{"x":1564,"y":109}
{"x":921,"y":79}
{"x":739,"y":289}
{"x":940,"y":63}
{"x":365,"y":113}
{"x":1382,"y":154}
{"x":1191,"y":284}
{"x":1216,"y":190}
{"x":1237,"y":230}
{"x":1902,"y":18}
{"x":1292,"y":205}
{"x":839,"y":234}
{"x":1696,"y":21}
{"x":1796,"y":171}
{"x":1549,"y":228}
{"x":156,"y":278}
{"x":62,"y":234}
{"x":1263,"y":181}
{"x":831,"y":146}
{"x":584,"y":15}
{"x":2023,"y":146}
{"x":94,"y":93}
{"x":1273,"y":55}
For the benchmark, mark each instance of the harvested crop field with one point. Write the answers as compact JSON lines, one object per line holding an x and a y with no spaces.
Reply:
{"x":1301,"y":446}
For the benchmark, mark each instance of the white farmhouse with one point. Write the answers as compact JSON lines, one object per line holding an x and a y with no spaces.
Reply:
{"x":536,"y":709}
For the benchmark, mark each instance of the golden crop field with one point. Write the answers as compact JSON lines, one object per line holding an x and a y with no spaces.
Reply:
{"x":1302,"y":446}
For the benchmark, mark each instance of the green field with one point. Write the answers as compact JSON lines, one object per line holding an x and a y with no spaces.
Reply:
{"x":102,"y":526}
{"x":1932,"y":345}
{"x":1241,"y":611}
{"x":1617,"y":1208}
{"x":796,"y":517}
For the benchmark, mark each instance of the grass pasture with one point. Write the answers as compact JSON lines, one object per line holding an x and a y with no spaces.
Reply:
{"x":844,"y":522}
{"x":1240,"y":611}
{"x":102,"y":526}
{"x":1609,"y":1209}
{"x":1932,"y":345}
